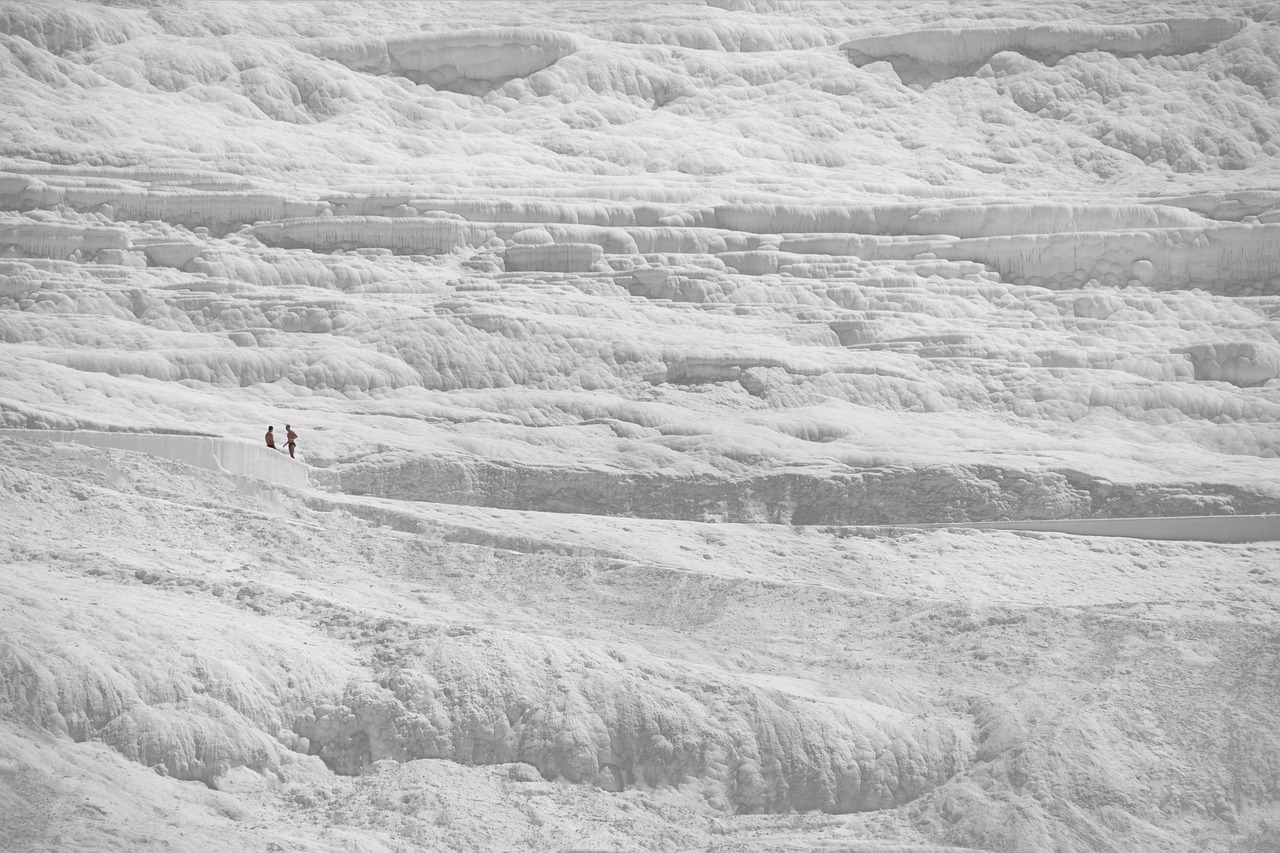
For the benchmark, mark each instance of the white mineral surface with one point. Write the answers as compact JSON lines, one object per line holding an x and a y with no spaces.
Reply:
{"x":752,"y":426}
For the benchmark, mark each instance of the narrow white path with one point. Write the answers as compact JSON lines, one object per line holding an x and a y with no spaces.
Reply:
{"x":237,"y":457}
{"x":1197,"y":528}
{"x":242,"y":458}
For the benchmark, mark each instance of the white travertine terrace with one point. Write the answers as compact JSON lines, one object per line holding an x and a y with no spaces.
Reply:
{"x":957,"y":50}
{"x":478,"y":60}
{"x":24,"y":237}
{"x":1218,"y":257}
{"x":125,"y":200}
{"x":746,"y":425}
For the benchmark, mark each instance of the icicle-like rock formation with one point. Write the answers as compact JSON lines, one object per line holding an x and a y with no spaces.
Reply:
{"x":554,"y":257}
{"x":970,"y":220}
{"x":411,"y":235}
{"x":21,"y":237}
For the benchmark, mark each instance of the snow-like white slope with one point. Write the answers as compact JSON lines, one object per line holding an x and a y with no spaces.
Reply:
{"x":636,"y":351}
{"x":978,"y":688}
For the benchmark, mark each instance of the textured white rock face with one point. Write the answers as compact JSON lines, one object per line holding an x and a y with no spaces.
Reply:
{"x":636,"y":722}
{"x":712,"y":419}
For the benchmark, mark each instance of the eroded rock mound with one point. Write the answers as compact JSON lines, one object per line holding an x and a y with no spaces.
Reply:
{"x":621,"y":720}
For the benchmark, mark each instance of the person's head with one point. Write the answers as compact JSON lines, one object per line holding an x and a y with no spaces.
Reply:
{"x":270,"y":428}
{"x":286,"y":426}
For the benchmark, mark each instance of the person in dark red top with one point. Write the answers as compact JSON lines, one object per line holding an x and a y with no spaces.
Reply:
{"x":292,"y":437}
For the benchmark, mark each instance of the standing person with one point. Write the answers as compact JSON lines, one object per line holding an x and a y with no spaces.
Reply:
{"x":292,"y":437}
{"x":271,"y":437}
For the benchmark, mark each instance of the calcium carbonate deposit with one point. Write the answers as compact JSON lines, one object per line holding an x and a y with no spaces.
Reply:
{"x":739,"y":426}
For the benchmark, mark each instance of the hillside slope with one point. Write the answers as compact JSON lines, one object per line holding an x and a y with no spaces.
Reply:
{"x":636,"y":353}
